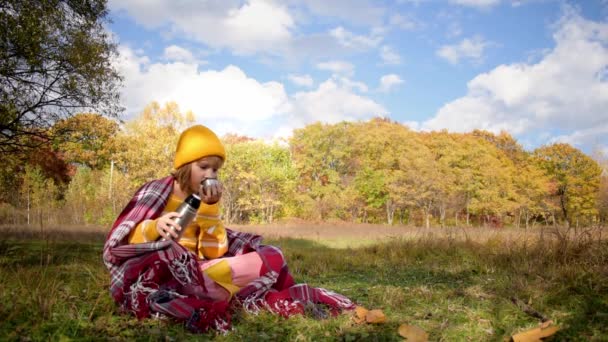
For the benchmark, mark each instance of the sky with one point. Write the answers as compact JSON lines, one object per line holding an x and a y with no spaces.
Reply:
{"x":537,"y":69}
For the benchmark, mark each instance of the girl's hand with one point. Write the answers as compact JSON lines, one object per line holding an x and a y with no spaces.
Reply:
{"x":211,"y":194}
{"x":167,"y":227}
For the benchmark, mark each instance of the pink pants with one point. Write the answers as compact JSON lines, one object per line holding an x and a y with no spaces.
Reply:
{"x":244,"y":269}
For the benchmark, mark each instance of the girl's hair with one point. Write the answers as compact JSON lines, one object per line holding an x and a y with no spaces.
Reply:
{"x":182,"y":176}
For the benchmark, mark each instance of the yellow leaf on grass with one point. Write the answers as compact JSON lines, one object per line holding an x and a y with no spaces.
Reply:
{"x":534,"y":335}
{"x":360,"y":313}
{"x":375,"y":316}
{"x":545,"y":325}
{"x":413,"y":333}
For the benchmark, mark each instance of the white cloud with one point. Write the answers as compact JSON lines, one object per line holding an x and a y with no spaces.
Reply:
{"x":246,"y":28}
{"x":413,"y":2}
{"x":454,"y":30}
{"x":353,"y":41}
{"x":389,"y":56}
{"x":334,"y":101}
{"x":388,"y":82}
{"x":592,"y":136}
{"x":349,"y":84}
{"x":301,"y":80}
{"x":471,"y":49}
{"x":271,"y":29}
{"x":404,"y":21}
{"x":358,"y":12}
{"x":561,"y":92}
{"x":413,"y":125}
{"x":519,"y":3}
{"x":481,"y":4}
{"x":231,"y":101}
{"x":337,"y":67}
{"x":604,"y":151}
{"x":176,"y":53}
{"x":211,"y":94}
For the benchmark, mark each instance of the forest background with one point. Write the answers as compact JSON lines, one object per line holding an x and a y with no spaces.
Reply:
{"x":68,"y":158}
{"x":376,"y":171}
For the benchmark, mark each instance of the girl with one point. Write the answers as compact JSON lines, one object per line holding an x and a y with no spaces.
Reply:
{"x":195,"y":277}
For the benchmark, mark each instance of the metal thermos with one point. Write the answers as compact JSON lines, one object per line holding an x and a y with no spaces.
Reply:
{"x":187,"y":211}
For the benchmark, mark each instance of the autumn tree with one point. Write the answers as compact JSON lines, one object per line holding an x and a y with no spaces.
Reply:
{"x":475,"y":177}
{"x":38,"y":195}
{"x":55,"y":60}
{"x":504,"y":142}
{"x":49,"y":164}
{"x":533,"y":188}
{"x":89,"y":139}
{"x":146,"y":145}
{"x":492,"y":180}
{"x":576,"y":179}
{"x":322,"y":154}
{"x":389,"y":161}
{"x":258,"y":179}
{"x":95,"y":196}
{"x":531,"y":185}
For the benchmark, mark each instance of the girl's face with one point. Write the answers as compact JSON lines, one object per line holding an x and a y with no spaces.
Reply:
{"x":206,"y":167}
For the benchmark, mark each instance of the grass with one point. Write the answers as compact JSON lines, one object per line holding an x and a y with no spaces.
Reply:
{"x":457,"y":285}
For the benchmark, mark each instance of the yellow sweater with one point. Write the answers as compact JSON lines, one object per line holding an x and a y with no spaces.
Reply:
{"x":205,"y":236}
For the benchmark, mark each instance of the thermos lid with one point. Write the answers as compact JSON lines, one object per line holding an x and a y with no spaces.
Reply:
{"x":194,"y":200}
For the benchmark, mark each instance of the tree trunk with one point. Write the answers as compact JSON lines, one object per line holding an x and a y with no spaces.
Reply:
{"x":110,"y":183}
{"x":28,"y":207}
{"x":427,"y":216}
{"x":390,"y":212}
{"x":271,"y":213}
{"x":562,"y":201}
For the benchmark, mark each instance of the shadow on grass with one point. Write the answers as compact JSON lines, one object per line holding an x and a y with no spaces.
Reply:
{"x":20,"y":254}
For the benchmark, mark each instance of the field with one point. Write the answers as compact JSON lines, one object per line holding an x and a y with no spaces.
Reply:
{"x":456,"y":284}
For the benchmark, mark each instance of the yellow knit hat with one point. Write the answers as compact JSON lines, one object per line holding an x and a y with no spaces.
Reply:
{"x":195,"y":143}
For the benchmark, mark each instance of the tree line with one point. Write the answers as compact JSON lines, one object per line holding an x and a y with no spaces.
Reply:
{"x":61,"y":167}
{"x":376,"y":171}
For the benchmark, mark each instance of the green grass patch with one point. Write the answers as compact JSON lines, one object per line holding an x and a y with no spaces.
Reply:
{"x":455,"y":290}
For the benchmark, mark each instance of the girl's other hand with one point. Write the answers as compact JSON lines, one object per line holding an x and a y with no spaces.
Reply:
{"x":211,"y":194}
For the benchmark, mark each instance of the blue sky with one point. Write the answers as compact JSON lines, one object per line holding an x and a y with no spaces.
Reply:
{"x":537,"y":69}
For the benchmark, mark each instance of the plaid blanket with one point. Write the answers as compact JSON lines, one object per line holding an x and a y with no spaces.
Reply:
{"x":163,"y":277}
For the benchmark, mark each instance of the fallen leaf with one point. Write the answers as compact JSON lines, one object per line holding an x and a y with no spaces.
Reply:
{"x":536,"y":334}
{"x":413,"y":333}
{"x":360,"y":313}
{"x":546,"y":324}
{"x":375,"y":316}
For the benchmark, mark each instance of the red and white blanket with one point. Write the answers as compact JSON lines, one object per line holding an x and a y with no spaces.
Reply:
{"x":163,"y":277}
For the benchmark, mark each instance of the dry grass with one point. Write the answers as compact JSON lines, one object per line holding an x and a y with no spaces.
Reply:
{"x":345,"y":235}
